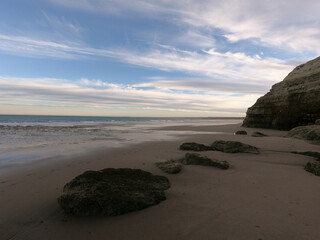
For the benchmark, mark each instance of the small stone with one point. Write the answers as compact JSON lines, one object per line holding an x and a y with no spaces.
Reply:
{"x":241,"y":132}
{"x":258,"y":134}
{"x":317,"y":122}
{"x":196,"y":159}
{"x":170,"y":166}
{"x":192,"y":146}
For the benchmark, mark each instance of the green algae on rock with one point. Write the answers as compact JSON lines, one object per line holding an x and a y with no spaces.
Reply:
{"x":112,"y":192}
{"x":192,"y":146}
{"x":170,"y":166}
{"x":313,"y":167}
{"x":233,"y":147}
{"x":310,"y":133}
{"x":196,"y":159}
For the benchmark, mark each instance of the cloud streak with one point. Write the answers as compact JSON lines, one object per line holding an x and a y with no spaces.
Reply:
{"x":293,"y":25}
{"x":237,"y":66}
{"x":98,"y":94}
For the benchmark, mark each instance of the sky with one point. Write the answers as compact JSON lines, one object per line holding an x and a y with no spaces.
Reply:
{"x":156,"y":58}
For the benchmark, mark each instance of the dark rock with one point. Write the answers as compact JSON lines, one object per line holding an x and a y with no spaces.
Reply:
{"x":310,"y":154}
{"x":317,"y":122}
{"x":241,"y":132}
{"x":293,"y":102}
{"x":194,"y":147}
{"x":112,"y":192}
{"x":170,"y":166}
{"x":310,"y":133}
{"x":233,"y":147}
{"x":313,"y":167}
{"x":258,"y":134}
{"x":196,"y":159}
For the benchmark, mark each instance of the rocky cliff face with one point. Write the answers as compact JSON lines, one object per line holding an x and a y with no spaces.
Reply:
{"x":293,"y":102}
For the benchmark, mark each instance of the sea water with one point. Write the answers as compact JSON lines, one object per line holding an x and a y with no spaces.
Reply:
{"x":29,"y":137}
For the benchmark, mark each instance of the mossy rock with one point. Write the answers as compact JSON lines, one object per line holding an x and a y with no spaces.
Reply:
{"x":241,"y":132}
{"x":233,"y":147}
{"x":258,"y":134}
{"x":310,"y":133}
{"x":112,"y":192}
{"x":170,"y":166}
{"x":313,"y":167}
{"x":196,"y":159}
{"x":192,"y":146}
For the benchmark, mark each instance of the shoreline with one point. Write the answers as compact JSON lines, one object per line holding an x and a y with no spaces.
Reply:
{"x":260,"y":196}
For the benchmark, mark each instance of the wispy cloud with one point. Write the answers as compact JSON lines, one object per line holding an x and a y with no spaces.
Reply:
{"x":98,"y":94}
{"x":293,"y":25}
{"x":236,"y":66}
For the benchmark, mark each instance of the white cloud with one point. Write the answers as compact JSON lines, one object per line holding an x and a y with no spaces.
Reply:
{"x":230,"y":66}
{"x":293,"y":25}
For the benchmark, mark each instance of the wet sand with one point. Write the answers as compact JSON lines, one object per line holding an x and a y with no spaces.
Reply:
{"x":265,"y":196}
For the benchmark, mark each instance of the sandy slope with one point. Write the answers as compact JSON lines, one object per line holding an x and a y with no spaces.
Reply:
{"x":266,"y":196}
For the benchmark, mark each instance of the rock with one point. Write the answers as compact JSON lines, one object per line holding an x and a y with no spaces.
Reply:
{"x":258,"y":134}
{"x":233,"y":147}
{"x":112,"y":192}
{"x":241,"y":132}
{"x":170,"y":166}
{"x":196,"y":159}
{"x":313,"y":167}
{"x":293,"y":102}
{"x":310,"y":154}
{"x":194,"y":147}
{"x":310,"y":133}
{"x":317,"y":122}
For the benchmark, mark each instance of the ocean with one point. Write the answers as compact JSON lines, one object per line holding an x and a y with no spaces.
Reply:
{"x":30,"y":137}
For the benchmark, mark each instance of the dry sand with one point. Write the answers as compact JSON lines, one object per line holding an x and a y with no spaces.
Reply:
{"x":265,"y":196}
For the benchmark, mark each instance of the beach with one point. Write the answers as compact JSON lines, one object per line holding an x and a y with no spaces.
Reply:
{"x":262,"y":196}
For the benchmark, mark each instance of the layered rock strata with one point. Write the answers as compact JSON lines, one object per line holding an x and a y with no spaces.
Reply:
{"x":293,"y":102}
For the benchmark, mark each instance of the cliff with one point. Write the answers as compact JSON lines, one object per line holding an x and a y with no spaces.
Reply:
{"x":293,"y":102}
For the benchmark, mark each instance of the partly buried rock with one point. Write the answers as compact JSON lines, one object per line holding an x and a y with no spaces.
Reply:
{"x":310,"y":154}
{"x":258,"y":134}
{"x":170,"y":166}
{"x":241,"y":132}
{"x":196,"y":159}
{"x":194,"y":147}
{"x":112,"y":192}
{"x":310,"y":133}
{"x":313,"y":167}
{"x":233,"y":147}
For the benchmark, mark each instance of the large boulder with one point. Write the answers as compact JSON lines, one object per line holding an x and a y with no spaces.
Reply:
{"x":293,"y":102}
{"x":192,"y":146}
{"x":196,"y":159}
{"x":233,"y":147}
{"x":310,"y":133}
{"x":112,"y":192}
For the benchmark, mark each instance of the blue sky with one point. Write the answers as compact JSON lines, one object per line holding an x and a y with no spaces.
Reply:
{"x":149,"y":58}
